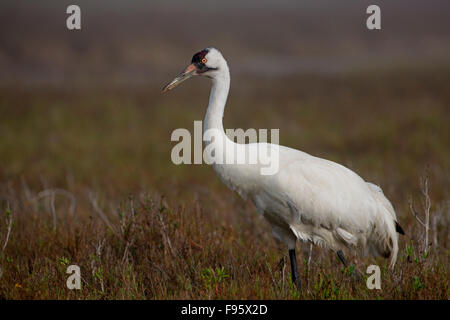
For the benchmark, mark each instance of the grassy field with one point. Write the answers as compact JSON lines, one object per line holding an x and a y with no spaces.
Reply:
{"x":86,"y":179}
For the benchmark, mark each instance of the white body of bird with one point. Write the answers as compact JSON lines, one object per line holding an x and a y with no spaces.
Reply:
{"x":308,"y":198}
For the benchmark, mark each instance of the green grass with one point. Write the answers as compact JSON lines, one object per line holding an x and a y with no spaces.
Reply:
{"x":143,"y":228}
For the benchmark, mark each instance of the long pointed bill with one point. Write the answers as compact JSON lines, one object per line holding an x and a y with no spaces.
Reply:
{"x":186,"y":74}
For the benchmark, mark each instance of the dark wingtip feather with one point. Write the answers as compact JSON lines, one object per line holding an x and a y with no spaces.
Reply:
{"x":399,"y":229}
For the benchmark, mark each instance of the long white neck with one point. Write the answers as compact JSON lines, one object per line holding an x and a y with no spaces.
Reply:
{"x":217,"y":100}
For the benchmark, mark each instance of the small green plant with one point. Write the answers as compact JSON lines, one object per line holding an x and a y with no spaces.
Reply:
{"x":409,"y":252}
{"x":64,"y":261}
{"x":8,"y":213}
{"x":417,"y":284}
{"x":98,"y":274}
{"x":348,"y":271}
{"x":351,"y":270}
{"x":213,"y":277}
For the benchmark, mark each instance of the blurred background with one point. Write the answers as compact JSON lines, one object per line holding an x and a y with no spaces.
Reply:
{"x":142,"y":42}
{"x":81,"y":111}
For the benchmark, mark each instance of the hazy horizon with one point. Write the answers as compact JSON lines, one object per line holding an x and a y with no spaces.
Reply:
{"x":142,"y":41}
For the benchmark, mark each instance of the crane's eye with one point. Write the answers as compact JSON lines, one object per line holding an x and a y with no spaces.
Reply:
{"x":204,"y":60}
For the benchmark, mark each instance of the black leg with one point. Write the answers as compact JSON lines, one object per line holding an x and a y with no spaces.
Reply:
{"x":342,"y":258}
{"x":294,"y":269}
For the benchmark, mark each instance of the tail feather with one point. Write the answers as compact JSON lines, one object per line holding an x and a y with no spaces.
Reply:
{"x":399,"y":229}
{"x":384,"y":236}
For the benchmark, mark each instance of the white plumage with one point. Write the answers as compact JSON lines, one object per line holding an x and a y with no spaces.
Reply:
{"x":317,"y":200}
{"x":309,"y":198}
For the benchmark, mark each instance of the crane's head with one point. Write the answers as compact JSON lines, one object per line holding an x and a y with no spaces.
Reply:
{"x":207,"y":62}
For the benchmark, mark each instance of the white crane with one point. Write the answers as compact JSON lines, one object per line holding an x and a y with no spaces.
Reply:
{"x":308,"y":198}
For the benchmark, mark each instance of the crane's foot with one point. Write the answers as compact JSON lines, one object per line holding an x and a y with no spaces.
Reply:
{"x":341,"y":257}
{"x":294,"y":269}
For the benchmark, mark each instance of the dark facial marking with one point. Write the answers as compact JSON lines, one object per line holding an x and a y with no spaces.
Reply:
{"x":197,"y":58}
{"x":197,"y":61}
